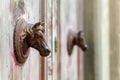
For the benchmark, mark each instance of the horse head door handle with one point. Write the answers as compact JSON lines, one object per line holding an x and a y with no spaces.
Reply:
{"x":28,"y":35}
{"x":76,"y":39}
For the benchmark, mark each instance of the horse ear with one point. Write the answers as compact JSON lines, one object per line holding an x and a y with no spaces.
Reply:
{"x":80,"y":32}
{"x":38,"y":26}
{"x":42,"y":27}
{"x":35,"y":25}
{"x":42,"y":24}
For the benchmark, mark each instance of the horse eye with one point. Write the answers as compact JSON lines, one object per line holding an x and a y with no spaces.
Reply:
{"x":41,"y":34}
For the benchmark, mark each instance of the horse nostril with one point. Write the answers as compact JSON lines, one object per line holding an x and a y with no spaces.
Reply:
{"x":48,"y":51}
{"x":45,"y":52}
{"x":85,"y":47}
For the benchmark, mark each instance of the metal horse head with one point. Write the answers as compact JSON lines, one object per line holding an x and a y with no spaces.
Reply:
{"x":28,"y":35}
{"x":76,"y":39}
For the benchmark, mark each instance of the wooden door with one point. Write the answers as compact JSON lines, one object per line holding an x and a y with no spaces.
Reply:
{"x":59,"y":17}
{"x":68,"y":21}
{"x":64,"y":67}
{"x":64,"y":15}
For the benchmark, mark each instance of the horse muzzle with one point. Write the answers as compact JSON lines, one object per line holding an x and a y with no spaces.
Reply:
{"x":45,"y":51}
{"x":84,"y":47}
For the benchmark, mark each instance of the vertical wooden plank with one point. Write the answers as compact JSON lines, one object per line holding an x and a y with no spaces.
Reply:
{"x":80,"y":26}
{"x":114,"y":40}
{"x":42,"y":63}
{"x":89,"y":66}
{"x":56,"y":39}
{"x":101,"y":38}
{"x":68,"y":21}
{"x":59,"y":40}
{"x":49,"y":27}
{"x":10,"y":11}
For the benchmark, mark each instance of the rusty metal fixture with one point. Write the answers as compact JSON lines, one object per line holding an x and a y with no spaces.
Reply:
{"x":28,"y":35}
{"x":76,"y":39}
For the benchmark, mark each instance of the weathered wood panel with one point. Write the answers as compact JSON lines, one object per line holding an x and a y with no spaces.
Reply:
{"x":101,"y":39}
{"x":114,"y":39}
{"x":89,"y":56}
{"x":68,"y":21}
{"x":10,"y":10}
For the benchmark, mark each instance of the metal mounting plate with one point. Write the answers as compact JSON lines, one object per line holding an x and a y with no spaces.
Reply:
{"x":21,"y":50}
